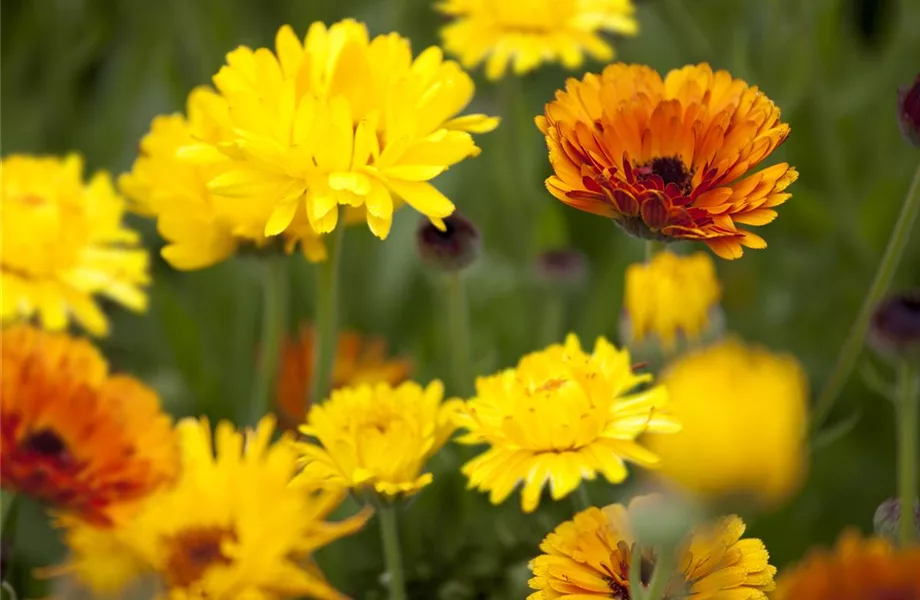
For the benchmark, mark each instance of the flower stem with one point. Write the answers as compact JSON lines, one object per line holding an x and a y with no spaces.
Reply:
{"x":458,"y":328}
{"x":274,"y":321}
{"x":10,"y":519}
{"x":636,"y":590}
{"x":849,"y":352}
{"x":553,"y":322}
{"x":652,"y":248}
{"x":908,"y":449}
{"x":684,"y":19}
{"x":389,"y":533}
{"x":664,"y":570}
{"x":325,"y":320}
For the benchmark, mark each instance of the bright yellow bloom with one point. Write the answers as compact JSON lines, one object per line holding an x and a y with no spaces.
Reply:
{"x":337,"y":120}
{"x":63,"y":242}
{"x":589,"y":557}
{"x":561,"y":416}
{"x":232,"y":527}
{"x":857,"y":569}
{"x":669,"y":159}
{"x":527,"y":33}
{"x":376,"y":437}
{"x":670,"y":297}
{"x":743,"y":411}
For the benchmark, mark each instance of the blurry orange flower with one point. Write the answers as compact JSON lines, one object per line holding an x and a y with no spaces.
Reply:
{"x":73,"y":435}
{"x":668,"y":158}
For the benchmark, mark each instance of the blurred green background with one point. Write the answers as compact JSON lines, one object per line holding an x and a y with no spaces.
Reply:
{"x":90,"y":75}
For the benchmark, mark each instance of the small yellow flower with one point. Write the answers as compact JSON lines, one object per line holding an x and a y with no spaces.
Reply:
{"x":561,"y":416}
{"x":232,"y":527}
{"x":63,"y":242}
{"x":590,"y":556}
{"x":670,"y":297}
{"x":857,"y":569}
{"x":376,"y":437}
{"x":527,"y":33}
{"x":743,"y":411}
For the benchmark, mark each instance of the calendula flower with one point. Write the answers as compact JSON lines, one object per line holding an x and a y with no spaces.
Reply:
{"x":528,"y":33}
{"x":590,"y":557}
{"x":668,"y":159}
{"x":857,"y":569}
{"x":336,"y":120}
{"x":560,"y":416}
{"x":73,"y":435}
{"x":63,"y":243}
{"x":670,"y":297}
{"x":376,"y":437}
{"x":359,"y":359}
{"x":743,"y":411}
{"x":231,"y":527}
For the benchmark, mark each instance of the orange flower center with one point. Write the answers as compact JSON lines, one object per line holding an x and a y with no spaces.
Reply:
{"x":193,"y":551}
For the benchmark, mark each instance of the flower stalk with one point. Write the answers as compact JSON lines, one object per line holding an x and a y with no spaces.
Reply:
{"x":664,"y":569}
{"x":274,"y":322}
{"x":908,"y":449}
{"x":458,"y":327}
{"x":326,"y":318}
{"x":389,"y":534}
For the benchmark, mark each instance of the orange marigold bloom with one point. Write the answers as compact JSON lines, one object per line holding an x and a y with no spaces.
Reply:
{"x":71,"y":434}
{"x":668,"y":158}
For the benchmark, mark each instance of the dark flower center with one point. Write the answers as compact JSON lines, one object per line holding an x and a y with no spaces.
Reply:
{"x":193,"y":552}
{"x":45,"y":442}
{"x":670,"y":169}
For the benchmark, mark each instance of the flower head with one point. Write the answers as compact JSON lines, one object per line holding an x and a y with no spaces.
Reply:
{"x":669,"y":297}
{"x":668,"y":158}
{"x":336,"y":119}
{"x":562,"y":268}
{"x":743,"y":410}
{"x":857,"y":569}
{"x":63,"y":242}
{"x":376,"y":437}
{"x":453,"y":247}
{"x":232,"y":527}
{"x":560,"y":416}
{"x":909,"y":112}
{"x":73,"y":435}
{"x":895,"y":326}
{"x":526,"y":33}
{"x":590,"y":556}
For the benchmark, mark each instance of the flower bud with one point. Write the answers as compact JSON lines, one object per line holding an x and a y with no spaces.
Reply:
{"x":888,"y":516}
{"x":562,"y":267}
{"x":909,"y":112}
{"x":895,"y":327}
{"x":454,"y":248}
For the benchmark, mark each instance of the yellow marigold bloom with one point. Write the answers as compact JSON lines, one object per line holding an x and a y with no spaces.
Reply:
{"x":743,"y":411}
{"x":73,"y":435}
{"x":590,"y":556}
{"x":376,"y":437}
{"x":63,"y":242}
{"x":670,"y":297}
{"x":668,"y":159}
{"x":562,"y":415}
{"x":857,"y":569}
{"x":231,"y":527}
{"x":527,"y":33}
{"x":338,"y":120}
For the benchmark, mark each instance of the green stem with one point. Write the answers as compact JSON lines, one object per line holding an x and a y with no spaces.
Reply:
{"x":325,"y":324}
{"x":849,"y":352}
{"x":652,"y":248}
{"x":274,"y":321}
{"x":908,"y":449}
{"x":10,"y":519}
{"x":510,"y":170}
{"x":389,"y":533}
{"x":664,"y":571}
{"x":458,"y":327}
{"x":553,"y":322}
{"x":683,"y":19}
{"x":636,"y":590}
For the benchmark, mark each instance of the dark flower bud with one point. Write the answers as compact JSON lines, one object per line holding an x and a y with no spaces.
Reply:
{"x":909,"y":112}
{"x":565,"y":267}
{"x":895,"y":327}
{"x":888,"y":516}
{"x":454,"y":248}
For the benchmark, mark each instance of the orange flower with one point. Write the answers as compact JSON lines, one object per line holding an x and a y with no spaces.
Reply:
{"x":73,"y":435}
{"x":358,"y":360}
{"x":668,"y":159}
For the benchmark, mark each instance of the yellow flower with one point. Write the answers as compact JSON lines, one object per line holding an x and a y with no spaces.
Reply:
{"x":63,"y":242}
{"x":857,"y":569}
{"x":669,"y":297}
{"x":561,"y":415}
{"x":669,"y":159}
{"x":527,"y":33}
{"x":589,"y":557}
{"x":336,"y":120}
{"x":232,"y":527}
{"x":743,"y":411}
{"x":376,"y":437}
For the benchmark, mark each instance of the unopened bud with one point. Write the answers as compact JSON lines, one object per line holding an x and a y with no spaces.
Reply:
{"x":909,"y":112}
{"x":888,"y":516}
{"x":455,"y":248}
{"x":895,"y":327}
{"x":563,"y":267}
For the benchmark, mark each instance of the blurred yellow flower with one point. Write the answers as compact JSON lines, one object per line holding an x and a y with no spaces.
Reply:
{"x":670,"y":297}
{"x":743,"y":411}
{"x":590,"y":556}
{"x":527,"y":33}
{"x":232,"y":527}
{"x":335,"y":120}
{"x":63,"y":242}
{"x":561,"y":416}
{"x":376,"y":437}
{"x":857,"y":569}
